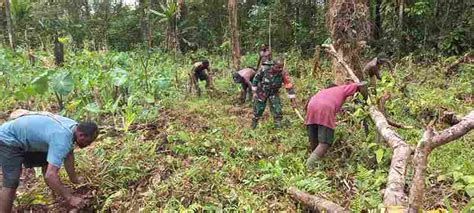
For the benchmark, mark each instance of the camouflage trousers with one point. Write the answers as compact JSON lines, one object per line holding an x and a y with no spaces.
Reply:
{"x":275,"y":107}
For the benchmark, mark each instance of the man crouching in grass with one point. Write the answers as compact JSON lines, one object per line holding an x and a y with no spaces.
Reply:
{"x":41,"y":139}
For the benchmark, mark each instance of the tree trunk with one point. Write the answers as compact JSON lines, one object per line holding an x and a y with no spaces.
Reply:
{"x":377,"y":20}
{"x":10,"y":27}
{"x":399,"y":33}
{"x":143,"y":20}
{"x":232,"y":9}
{"x":348,"y":25}
{"x":58,"y":51}
{"x":316,"y":65}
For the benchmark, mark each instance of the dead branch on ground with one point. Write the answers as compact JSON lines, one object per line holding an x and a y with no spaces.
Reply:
{"x":315,"y":203}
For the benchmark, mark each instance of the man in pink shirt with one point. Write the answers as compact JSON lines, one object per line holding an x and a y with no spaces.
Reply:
{"x":320,"y":118}
{"x":244,"y":77}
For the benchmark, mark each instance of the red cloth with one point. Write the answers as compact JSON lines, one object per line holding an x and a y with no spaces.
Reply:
{"x":323,"y":106}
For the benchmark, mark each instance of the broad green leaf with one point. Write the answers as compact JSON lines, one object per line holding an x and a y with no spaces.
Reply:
{"x":163,"y":83}
{"x":40,"y":83}
{"x":379,"y":155}
{"x":119,"y":76}
{"x":62,"y":83}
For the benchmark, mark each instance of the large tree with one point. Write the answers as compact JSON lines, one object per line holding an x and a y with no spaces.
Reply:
{"x":232,"y":8}
{"x":10,"y":28}
{"x":349,"y":26}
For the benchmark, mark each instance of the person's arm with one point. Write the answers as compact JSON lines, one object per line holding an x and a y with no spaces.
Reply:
{"x":288,"y":85}
{"x":248,"y":82}
{"x":255,"y":81}
{"x":289,"y":88}
{"x":52,"y":180}
{"x":70,"y":169}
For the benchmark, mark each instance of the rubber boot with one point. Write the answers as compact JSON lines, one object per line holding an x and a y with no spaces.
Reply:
{"x":254,"y":123}
{"x":312,"y":161}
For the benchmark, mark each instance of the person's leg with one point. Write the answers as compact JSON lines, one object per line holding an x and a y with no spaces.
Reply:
{"x":11,"y":160}
{"x":243,"y":93}
{"x":275,"y":108}
{"x":249,"y":93}
{"x":195,"y":83}
{"x":208,"y":78}
{"x":325,"y":138}
{"x":313,"y":136}
{"x":7,"y":196}
{"x":258,"y":109}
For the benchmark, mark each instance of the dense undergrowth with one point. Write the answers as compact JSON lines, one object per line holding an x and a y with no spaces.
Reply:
{"x":162,"y":148}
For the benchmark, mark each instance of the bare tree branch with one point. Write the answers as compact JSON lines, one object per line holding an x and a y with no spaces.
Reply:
{"x":429,"y":142}
{"x":463,"y":127}
{"x":466,"y":58}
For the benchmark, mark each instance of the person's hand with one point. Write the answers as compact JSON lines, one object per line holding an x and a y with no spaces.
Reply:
{"x":78,"y":180}
{"x":76,"y":202}
{"x":254,"y":96}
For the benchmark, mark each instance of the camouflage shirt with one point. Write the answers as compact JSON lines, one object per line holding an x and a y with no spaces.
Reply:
{"x":268,"y":82}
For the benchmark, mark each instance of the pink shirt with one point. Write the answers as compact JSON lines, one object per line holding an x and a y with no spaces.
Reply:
{"x":247,"y":73}
{"x":323,"y":106}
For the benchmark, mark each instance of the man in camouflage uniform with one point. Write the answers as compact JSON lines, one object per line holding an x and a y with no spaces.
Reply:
{"x":266,"y":85}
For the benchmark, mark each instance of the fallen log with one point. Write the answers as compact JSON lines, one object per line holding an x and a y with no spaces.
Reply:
{"x":315,"y":203}
{"x":466,"y":58}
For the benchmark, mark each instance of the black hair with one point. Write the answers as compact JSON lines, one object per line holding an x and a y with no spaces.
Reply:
{"x":237,"y":78}
{"x":205,"y":62}
{"x":90,"y":129}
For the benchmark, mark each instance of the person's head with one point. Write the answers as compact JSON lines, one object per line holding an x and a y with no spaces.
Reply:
{"x":263,"y":47}
{"x":380,"y":56}
{"x":205,"y":63}
{"x":278,"y":65}
{"x":237,"y":78}
{"x":86,"y":133}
